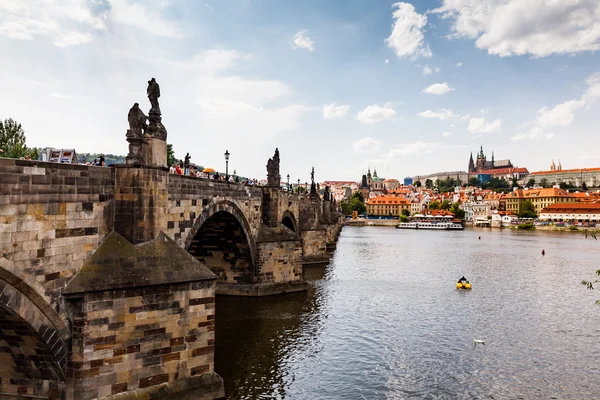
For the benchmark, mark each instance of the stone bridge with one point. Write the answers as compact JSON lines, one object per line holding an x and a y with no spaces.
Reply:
{"x":108,"y":275}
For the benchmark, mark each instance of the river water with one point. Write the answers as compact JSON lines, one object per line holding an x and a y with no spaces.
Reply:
{"x":384,"y":321}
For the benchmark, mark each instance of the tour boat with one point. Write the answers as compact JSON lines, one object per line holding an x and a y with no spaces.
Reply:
{"x":430,"y":225}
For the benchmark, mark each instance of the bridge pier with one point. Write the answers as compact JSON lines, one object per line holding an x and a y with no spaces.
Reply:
{"x":143,"y":324}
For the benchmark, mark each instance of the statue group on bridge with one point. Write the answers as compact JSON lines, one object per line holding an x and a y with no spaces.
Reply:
{"x":138,"y":127}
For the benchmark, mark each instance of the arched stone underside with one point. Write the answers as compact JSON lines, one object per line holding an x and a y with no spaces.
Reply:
{"x":17,"y":303}
{"x":289,"y":221}
{"x":27,"y":365}
{"x":222,"y":243}
{"x":52,"y":308}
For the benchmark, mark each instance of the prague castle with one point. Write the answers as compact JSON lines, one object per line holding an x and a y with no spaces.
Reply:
{"x":483,"y":164}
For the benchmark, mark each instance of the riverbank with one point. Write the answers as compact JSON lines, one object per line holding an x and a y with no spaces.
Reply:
{"x":371,"y":222}
{"x":394,"y":222}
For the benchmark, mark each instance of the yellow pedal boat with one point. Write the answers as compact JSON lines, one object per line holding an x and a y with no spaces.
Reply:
{"x":466,"y":285}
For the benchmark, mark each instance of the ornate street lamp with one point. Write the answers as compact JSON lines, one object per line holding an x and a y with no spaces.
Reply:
{"x":298,"y":185}
{"x":288,"y":182}
{"x":226,"y":165}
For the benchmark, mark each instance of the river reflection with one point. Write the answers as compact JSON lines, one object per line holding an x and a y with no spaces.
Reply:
{"x":384,"y":321}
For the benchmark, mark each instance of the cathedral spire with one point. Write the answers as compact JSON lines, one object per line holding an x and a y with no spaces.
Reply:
{"x":471,"y":164}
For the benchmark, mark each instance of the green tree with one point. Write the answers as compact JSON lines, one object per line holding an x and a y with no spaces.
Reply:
{"x":434,"y":205}
{"x":404,"y":218}
{"x":428,"y":183}
{"x":171,"y":159}
{"x":531,"y":182}
{"x":355,"y":203}
{"x":527,"y":210}
{"x":417,"y":184}
{"x":406,"y":212}
{"x":544,"y":183}
{"x":473,"y":181}
{"x":446,"y":204}
{"x":514,"y":182}
{"x":12,"y":140}
{"x":457,"y":211}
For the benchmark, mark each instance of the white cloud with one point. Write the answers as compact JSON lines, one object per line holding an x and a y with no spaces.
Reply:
{"x":458,"y":65}
{"x":478,"y":125}
{"x":535,"y":133}
{"x":302,"y":41}
{"x":441,"y":114}
{"x":331,"y":111}
{"x":236,"y":104}
{"x":517,"y":27}
{"x":407,"y":37}
{"x":387,"y":61}
{"x":366,"y":145}
{"x":588,"y":157}
{"x":562,"y":114}
{"x":417,"y":148}
{"x":451,"y":125}
{"x":72,"y":39}
{"x":376,"y":113}
{"x":564,"y":68}
{"x":446,"y":134}
{"x":438,"y":88}
{"x":144,"y":19}
{"x":484,"y":110}
{"x":74,"y":22}
{"x":57,"y":95}
{"x":67,"y":22}
{"x":427,"y":70}
{"x":465,"y":117}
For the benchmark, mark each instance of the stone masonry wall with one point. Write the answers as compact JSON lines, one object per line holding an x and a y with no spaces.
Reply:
{"x":136,"y":339}
{"x":314,"y":242}
{"x":52,"y":217}
{"x":140,"y":198}
{"x":288,"y":203}
{"x":190,"y":196}
{"x":280,"y":262}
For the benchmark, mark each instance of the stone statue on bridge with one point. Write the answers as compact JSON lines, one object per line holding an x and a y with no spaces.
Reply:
{"x":313,"y":187}
{"x":137,"y":121}
{"x":326,"y":194}
{"x":153,"y":92}
{"x":273,"y":176}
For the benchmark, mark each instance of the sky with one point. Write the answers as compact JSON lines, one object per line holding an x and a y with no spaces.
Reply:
{"x":406,"y":88}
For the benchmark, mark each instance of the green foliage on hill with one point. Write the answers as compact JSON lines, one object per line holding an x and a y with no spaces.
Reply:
{"x":108,"y":158}
{"x":12,"y":141}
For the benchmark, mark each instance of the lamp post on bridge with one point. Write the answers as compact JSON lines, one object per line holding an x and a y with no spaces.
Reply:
{"x":288,"y":182}
{"x":298,"y":185}
{"x":226,"y":165}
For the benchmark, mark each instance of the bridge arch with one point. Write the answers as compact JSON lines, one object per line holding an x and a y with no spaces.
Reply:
{"x":34,"y":349}
{"x":222,"y":239}
{"x":289,"y":221}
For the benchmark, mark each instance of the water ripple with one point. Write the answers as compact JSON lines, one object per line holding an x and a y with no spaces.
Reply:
{"x":384,"y":321}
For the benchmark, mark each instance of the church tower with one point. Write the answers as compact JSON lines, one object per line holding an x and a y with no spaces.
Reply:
{"x":481,"y":159}
{"x":471,"y":164}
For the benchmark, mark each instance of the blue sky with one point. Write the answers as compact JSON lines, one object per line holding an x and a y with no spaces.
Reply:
{"x":405,"y":87}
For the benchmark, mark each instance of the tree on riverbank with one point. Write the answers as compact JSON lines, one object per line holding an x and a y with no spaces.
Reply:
{"x":457,"y":211}
{"x":355,"y":203}
{"x":527,"y":210}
